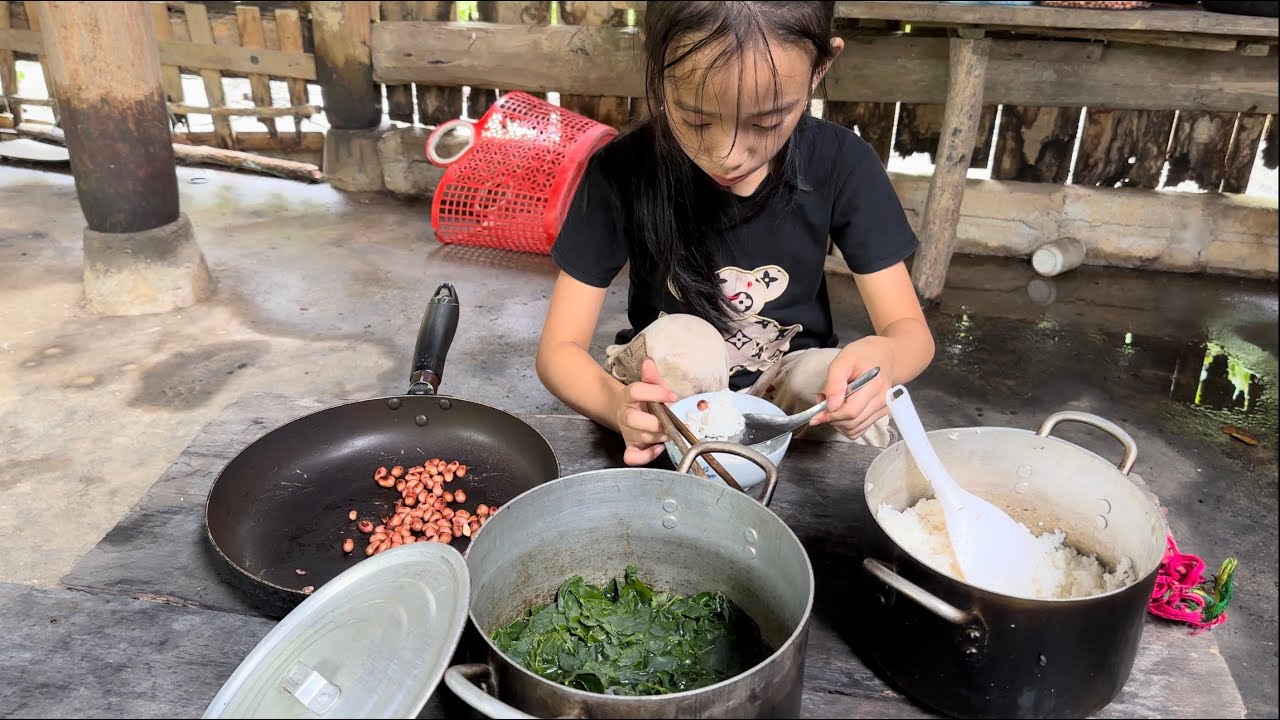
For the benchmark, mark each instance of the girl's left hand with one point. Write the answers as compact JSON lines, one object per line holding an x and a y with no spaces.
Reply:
{"x":852,"y":416}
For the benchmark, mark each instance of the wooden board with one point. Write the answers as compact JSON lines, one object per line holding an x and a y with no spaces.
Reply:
{"x":1034,"y":144}
{"x":1124,"y":148}
{"x":1167,"y":19}
{"x":1198,"y":151}
{"x":153,"y":554}
{"x":601,"y":61}
{"x":8,"y":71}
{"x":197,"y":55}
{"x":1244,"y":151}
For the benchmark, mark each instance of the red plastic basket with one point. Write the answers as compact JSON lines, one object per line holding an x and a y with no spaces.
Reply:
{"x":511,"y":187}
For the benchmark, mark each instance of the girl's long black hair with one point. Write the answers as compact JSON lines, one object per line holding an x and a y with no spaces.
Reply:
{"x":681,"y":215}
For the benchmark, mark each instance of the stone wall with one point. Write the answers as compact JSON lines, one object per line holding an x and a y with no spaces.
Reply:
{"x":1218,"y":233}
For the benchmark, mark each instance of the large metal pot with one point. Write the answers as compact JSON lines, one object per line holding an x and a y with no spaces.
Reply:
{"x":967,"y":652}
{"x":686,"y":535}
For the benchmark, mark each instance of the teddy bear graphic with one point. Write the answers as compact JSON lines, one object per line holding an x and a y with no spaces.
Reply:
{"x":757,"y":341}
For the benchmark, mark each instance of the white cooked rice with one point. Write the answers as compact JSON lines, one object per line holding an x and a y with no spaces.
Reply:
{"x":720,"y":421}
{"x":1061,"y":572}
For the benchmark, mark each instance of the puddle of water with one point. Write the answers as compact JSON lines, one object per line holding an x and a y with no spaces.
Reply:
{"x":1206,"y":376}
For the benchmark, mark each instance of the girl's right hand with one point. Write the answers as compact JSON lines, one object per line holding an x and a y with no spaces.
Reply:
{"x":640,"y":428}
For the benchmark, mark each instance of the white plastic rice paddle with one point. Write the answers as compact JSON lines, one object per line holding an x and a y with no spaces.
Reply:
{"x":992,"y":550}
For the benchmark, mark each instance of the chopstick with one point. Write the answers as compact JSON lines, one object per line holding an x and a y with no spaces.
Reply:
{"x":670,"y":429}
{"x":690,"y":438}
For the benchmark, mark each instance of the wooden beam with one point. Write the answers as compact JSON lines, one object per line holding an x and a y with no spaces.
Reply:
{"x":602,"y":61}
{"x":252,"y":37}
{"x":352,"y":101}
{"x":960,"y":123}
{"x":202,"y":35}
{"x":1182,"y":20}
{"x":8,"y":69}
{"x":103,"y":62}
{"x":204,"y":155}
{"x":197,"y":56}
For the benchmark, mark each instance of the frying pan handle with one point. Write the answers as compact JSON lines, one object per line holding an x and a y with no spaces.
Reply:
{"x":434,"y":338}
{"x":742,"y":451}
{"x":462,"y":679}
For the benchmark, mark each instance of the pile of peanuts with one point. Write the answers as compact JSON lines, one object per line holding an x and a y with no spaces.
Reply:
{"x":423,"y":512}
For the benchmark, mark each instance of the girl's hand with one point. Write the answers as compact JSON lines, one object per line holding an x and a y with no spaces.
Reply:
{"x":853,"y":416}
{"x":640,"y":428}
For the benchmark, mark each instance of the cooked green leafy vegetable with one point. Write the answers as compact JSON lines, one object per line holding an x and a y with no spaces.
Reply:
{"x":626,"y":639}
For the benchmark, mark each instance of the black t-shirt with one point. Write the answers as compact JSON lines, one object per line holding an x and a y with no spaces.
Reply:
{"x":771,"y":267}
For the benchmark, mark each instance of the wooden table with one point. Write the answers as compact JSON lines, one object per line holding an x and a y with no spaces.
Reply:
{"x":145,"y":627}
{"x":1220,"y":61}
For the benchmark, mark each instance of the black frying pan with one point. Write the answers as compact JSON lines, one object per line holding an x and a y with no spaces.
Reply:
{"x":282,"y":504}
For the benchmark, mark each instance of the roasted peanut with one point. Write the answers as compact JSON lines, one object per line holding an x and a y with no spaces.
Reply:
{"x":445,"y":538}
{"x":371,"y":548}
{"x":424,"y":497}
{"x":400,"y":486}
{"x":348,"y":545}
{"x":416,"y":525}
{"x":387,"y":482}
{"x":461,"y":471}
{"x":482,"y":510}
{"x":365,"y":526}
{"x":447,"y":475}
{"x":394,"y":522}
{"x":460,"y":496}
{"x":397,"y":541}
{"x":464,"y":514}
{"x":384,"y":545}
{"x":437,"y":490}
{"x":352,"y":515}
{"x":452,"y":466}
{"x":448,"y":513}
{"x":380,"y":473}
{"x":410,"y":500}
{"x":378,"y":537}
{"x":466,"y":530}
{"x":397,"y":471}
{"x":440,"y":504}
{"x":448,"y":496}
{"x":309,"y":589}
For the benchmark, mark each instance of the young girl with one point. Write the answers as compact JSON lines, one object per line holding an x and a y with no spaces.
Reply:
{"x":722,"y":203}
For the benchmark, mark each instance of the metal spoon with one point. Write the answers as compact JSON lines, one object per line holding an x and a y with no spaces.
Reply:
{"x":763,"y":428}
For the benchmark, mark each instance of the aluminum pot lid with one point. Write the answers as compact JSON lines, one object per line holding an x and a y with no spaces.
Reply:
{"x":373,"y":642}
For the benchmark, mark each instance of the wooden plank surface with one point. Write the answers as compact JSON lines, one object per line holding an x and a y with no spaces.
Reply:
{"x":601,"y":61}
{"x":198,"y":56}
{"x":252,"y":37}
{"x":155,"y":553}
{"x":1165,"y":19}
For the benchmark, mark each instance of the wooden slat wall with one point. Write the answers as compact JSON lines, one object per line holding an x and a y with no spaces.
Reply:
{"x":1119,"y":147}
{"x":610,"y":110}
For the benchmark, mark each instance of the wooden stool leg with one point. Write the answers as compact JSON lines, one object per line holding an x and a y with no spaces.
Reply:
{"x":968,"y":70}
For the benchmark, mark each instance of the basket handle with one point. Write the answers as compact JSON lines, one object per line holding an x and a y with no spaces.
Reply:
{"x":434,"y":139}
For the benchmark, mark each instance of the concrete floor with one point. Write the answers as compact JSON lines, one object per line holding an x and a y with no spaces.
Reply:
{"x":320,"y":294}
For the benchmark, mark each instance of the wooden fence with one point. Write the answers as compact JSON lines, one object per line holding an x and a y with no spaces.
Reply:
{"x":255,"y":60}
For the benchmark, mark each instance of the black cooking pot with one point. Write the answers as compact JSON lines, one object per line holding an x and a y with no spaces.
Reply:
{"x":968,"y":652}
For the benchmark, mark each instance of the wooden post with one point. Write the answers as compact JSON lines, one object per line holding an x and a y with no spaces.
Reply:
{"x":352,"y":101}
{"x":966,"y":78}
{"x":344,"y":67}
{"x":106,"y":69}
{"x":139,"y":251}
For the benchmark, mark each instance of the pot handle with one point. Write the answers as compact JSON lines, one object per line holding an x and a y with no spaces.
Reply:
{"x":742,"y":451}
{"x":1110,"y":428}
{"x":922,"y":597}
{"x":461,"y":679}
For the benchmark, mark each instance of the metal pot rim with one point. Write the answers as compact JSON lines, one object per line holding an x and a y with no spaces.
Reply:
{"x":796,"y":635}
{"x":938,"y":575}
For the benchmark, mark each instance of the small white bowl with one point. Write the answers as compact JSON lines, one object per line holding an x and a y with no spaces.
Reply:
{"x":747,"y":473}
